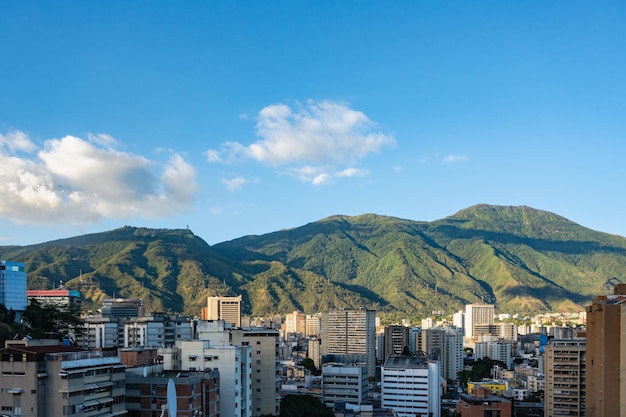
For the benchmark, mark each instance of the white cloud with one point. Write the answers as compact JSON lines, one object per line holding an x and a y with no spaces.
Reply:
{"x":321,"y":136}
{"x":454,"y":158}
{"x":352,"y":172}
{"x":213,"y":156}
{"x":102,"y":139}
{"x":75,"y":180}
{"x":234,"y":184}
{"x":16,"y":140}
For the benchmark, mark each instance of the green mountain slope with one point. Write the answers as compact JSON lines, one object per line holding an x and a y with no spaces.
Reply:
{"x":521,"y":259}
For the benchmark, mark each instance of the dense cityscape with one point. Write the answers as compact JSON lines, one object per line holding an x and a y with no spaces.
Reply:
{"x":127,"y":361}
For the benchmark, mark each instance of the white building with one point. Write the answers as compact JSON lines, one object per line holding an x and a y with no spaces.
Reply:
{"x":410,"y":385}
{"x":344,"y":383}
{"x":233,"y":362}
{"x":495,"y":350}
{"x":477,"y":315}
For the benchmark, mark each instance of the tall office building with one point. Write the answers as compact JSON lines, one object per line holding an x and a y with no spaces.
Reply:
{"x":13,"y":287}
{"x":224,"y":308}
{"x":312,"y":325}
{"x":565,"y":368}
{"x":477,"y":315}
{"x":396,"y":339}
{"x":351,"y":333}
{"x":445,"y":344}
{"x":606,"y":354}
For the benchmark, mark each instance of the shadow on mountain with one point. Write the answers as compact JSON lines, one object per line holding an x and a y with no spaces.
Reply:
{"x":546,"y":294}
{"x":363,"y":292}
{"x":570,"y":247}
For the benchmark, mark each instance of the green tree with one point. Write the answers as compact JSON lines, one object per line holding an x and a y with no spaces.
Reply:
{"x":309,"y":365}
{"x":43,"y":321}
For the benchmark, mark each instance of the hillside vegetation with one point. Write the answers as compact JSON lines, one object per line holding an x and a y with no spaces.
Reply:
{"x":518,"y":258}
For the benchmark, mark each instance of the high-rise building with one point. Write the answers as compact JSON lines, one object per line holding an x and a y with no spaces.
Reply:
{"x":295,"y":323}
{"x":606,"y":354}
{"x":313,"y":350}
{"x":263,"y":345}
{"x":224,"y":308}
{"x":351,"y":333}
{"x":396,"y":340}
{"x":477,"y":315}
{"x":445,"y":344}
{"x":13,"y":287}
{"x":565,"y":369}
{"x":410,"y":386}
{"x":415,"y":340}
{"x":497,"y":350}
{"x":312,"y":325}
{"x":233,"y":363}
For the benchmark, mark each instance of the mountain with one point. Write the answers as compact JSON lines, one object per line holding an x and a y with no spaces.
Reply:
{"x":518,"y":258}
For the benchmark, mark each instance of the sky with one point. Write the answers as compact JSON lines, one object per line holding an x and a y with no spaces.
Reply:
{"x":242,"y":118}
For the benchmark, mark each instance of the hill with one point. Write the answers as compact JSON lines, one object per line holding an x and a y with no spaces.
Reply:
{"x":519,"y":258}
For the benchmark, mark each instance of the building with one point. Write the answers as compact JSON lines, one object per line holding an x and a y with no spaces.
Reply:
{"x":410,"y":386}
{"x":232,"y":362}
{"x":415,"y":340}
{"x":482,"y":404}
{"x":495,"y":386}
{"x":313,"y":350}
{"x":197,"y":393}
{"x":13,"y":287}
{"x":56,"y":298}
{"x":295,"y":323}
{"x":606,"y":354}
{"x":264,"y":344}
{"x":344,"y":384}
{"x":312,"y":325}
{"x":351,"y":333}
{"x":146,"y":331}
{"x":478,"y":315}
{"x":224,"y":308}
{"x":565,"y":372}
{"x":396,"y":340}
{"x":122,"y":307}
{"x":497,"y":350}
{"x":50,"y":380}
{"x":445,"y":344}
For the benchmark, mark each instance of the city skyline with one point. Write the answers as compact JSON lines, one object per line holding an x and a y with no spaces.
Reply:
{"x":248,"y":118}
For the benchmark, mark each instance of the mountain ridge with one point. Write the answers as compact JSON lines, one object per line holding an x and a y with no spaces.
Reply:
{"x":519,"y":258}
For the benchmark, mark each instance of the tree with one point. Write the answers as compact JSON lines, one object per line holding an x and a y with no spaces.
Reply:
{"x":303,"y":406}
{"x":309,"y":365}
{"x":43,"y":321}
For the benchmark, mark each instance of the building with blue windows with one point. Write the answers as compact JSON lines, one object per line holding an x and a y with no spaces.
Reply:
{"x":13,"y":287}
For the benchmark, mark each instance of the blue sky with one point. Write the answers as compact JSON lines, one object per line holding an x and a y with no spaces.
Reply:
{"x":237,"y":118}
